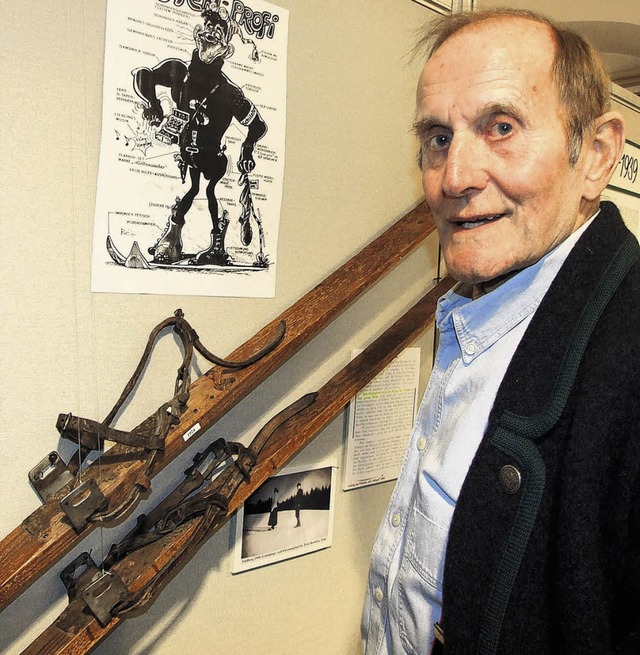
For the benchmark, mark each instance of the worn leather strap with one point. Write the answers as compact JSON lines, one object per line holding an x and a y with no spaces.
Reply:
{"x":150,"y":435}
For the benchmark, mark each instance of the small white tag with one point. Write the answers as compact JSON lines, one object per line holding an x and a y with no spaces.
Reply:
{"x":191,"y":431}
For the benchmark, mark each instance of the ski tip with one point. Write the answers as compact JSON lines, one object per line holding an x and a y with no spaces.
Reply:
{"x":114,"y":253}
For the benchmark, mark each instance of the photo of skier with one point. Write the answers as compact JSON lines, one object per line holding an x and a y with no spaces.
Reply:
{"x":269,"y":526}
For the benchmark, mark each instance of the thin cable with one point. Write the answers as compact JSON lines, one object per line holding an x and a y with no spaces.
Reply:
{"x":74,"y":273}
{"x":82,"y":88}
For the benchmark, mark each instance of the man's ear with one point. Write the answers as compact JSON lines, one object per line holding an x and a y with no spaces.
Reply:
{"x":603,"y":146}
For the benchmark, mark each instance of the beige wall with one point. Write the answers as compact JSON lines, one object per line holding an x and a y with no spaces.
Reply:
{"x":621,"y":10}
{"x":349,"y":173}
{"x":628,"y":104}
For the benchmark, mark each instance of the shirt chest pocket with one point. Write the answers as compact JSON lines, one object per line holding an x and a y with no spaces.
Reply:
{"x":428,"y":533}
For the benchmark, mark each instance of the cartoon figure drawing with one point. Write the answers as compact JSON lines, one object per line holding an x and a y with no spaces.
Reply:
{"x":205,"y":104}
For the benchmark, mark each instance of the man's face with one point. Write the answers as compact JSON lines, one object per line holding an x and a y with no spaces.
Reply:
{"x":495,"y":164}
{"x":211,"y":40}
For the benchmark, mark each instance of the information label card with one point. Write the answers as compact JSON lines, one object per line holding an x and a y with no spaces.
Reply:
{"x":380,"y":420}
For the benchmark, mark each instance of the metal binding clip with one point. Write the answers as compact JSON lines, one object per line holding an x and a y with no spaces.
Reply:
{"x":49,"y":475}
{"x":82,"y":502}
{"x":103,"y":594}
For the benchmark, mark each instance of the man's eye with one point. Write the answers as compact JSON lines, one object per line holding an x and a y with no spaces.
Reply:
{"x":438,"y":142}
{"x":502,"y":129}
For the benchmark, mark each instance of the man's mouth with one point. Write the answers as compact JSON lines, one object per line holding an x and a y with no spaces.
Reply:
{"x":209,"y":38}
{"x":471,"y":223}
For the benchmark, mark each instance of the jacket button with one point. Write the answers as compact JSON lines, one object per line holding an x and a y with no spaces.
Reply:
{"x":510,"y":479}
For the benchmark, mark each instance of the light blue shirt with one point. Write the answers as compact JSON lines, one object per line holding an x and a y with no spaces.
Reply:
{"x":477,"y":341}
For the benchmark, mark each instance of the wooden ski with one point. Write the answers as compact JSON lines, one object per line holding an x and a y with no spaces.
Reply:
{"x":142,"y":573}
{"x":47,"y":534}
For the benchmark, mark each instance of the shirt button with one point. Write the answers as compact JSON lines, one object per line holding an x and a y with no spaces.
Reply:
{"x":470,"y":348}
{"x":510,"y":478}
{"x":378,"y":594}
{"x":422,"y":443}
{"x":396,"y":519}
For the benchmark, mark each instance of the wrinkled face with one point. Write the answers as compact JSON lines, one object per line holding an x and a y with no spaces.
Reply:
{"x":211,"y":40}
{"x":495,"y":164}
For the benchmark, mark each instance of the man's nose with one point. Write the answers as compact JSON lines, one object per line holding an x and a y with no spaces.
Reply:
{"x":465,"y":169}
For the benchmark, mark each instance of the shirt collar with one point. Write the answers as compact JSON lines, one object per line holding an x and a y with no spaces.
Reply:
{"x":480,"y":323}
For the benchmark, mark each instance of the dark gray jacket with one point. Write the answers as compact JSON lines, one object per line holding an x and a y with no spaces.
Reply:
{"x":544,"y":549}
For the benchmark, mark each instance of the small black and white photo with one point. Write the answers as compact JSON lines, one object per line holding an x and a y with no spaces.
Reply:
{"x":291,"y":514}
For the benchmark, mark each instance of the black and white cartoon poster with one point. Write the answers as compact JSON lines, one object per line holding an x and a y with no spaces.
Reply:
{"x":192,"y":151}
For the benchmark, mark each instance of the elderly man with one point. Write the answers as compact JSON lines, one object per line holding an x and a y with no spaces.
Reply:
{"x":515,"y":522}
